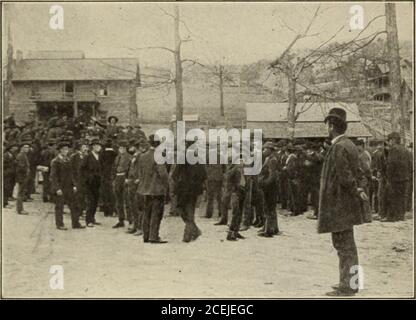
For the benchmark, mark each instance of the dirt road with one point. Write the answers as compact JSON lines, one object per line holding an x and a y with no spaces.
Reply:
{"x":106,"y":262}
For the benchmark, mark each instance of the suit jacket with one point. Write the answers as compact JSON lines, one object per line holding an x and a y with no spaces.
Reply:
{"x":188,"y":180}
{"x":398,"y":164}
{"x":76,"y":162}
{"x":22,"y":167}
{"x":61,"y":176}
{"x":339,"y":202}
{"x":91,"y":168}
{"x":9,"y":165}
{"x":108,"y":155}
{"x":153,"y":177}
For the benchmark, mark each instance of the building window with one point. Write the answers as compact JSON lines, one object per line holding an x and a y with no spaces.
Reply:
{"x":34,"y":92}
{"x":103,"y":91}
{"x":69,"y":89}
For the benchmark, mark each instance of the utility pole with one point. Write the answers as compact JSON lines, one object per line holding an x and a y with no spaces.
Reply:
{"x":9,"y":66}
{"x":397,"y":110}
{"x":178,"y":67}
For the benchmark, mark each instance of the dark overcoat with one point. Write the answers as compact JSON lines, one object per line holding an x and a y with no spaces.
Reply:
{"x":339,"y":201}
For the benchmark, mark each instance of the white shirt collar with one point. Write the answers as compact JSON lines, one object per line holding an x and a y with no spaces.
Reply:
{"x":95,"y":155}
{"x":333,"y":141}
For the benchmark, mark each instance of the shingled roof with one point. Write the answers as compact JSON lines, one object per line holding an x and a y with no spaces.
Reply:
{"x":272,"y":119}
{"x":75,"y":69}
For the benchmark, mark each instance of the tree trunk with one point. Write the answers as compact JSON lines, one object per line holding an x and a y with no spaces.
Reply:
{"x":291,"y":119}
{"x":397,"y":110}
{"x":9,"y":71}
{"x":178,"y":69}
{"x":221,"y":91}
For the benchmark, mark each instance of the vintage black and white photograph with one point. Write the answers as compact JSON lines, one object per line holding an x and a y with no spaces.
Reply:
{"x":207,"y":150}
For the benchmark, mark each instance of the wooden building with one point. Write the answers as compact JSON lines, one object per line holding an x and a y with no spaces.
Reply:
{"x":99,"y":87}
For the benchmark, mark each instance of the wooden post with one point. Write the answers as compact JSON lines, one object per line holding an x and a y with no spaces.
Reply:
{"x":75,"y":107}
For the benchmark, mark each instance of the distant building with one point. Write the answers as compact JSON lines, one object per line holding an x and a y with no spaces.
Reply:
{"x":272,"y":119}
{"x":50,"y":82}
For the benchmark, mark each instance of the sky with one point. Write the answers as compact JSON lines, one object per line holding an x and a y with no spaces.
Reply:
{"x":235,"y":33}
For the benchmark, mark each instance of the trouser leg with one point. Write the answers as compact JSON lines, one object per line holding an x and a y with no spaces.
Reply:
{"x":156,"y":217}
{"x":21,"y":194}
{"x":225,"y":203}
{"x":210,"y":198}
{"x":119,"y":194}
{"x":146,"y":217}
{"x":59,"y":211}
{"x":237,"y":202}
{"x":45,"y":187}
{"x":344,"y":243}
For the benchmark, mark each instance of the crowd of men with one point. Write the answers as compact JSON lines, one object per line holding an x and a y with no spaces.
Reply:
{"x":87,"y":165}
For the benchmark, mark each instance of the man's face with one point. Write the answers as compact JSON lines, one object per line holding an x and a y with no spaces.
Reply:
{"x":330,"y":130}
{"x":84,"y":148}
{"x":64,"y":151}
{"x":25,"y":149}
{"x":96,"y":148}
{"x":13,"y":149}
{"x":132,"y":149}
{"x":113,"y":121}
{"x":267,"y":152}
{"x":121,"y":150}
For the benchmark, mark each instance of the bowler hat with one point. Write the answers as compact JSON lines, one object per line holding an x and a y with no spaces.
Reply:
{"x":25,"y":143}
{"x":122,"y":143}
{"x":337,"y":113}
{"x":63,"y":144}
{"x":112,"y":117}
{"x":393,"y":135}
{"x":95,"y":141}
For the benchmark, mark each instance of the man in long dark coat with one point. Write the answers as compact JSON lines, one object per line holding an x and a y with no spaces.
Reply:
{"x":91,"y":170}
{"x":22,"y":175}
{"x":339,"y":201}
{"x":188,"y":185}
{"x":63,"y":186}
{"x":398,"y":165}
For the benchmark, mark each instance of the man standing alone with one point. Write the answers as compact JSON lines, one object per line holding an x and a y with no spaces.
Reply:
{"x":339,"y":200}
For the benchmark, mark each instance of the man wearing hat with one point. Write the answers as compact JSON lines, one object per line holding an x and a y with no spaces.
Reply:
{"x":64,"y":187}
{"x":22,"y":175}
{"x":313,"y":167}
{"x":398,"y":168}
{"x":268,"y":183}
{"x":339,"y":200}
{"x":132,"y":179}
{"x":112,"y":129}
{"x":121,"y":165}
{"x":46,"y":157}
{"x":9,"y":173}
{"x":108,"y":155}
{"x":153,"y":187}
{"x":76,"y":159}
{"x":91,"y":170}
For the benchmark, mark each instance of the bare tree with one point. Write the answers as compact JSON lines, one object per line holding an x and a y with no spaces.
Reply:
{"x":292,"y":64}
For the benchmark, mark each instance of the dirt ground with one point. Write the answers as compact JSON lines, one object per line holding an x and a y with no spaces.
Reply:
{"x":105,"y":262}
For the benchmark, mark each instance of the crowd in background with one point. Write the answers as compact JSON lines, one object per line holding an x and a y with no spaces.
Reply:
{"x":90,"y":165}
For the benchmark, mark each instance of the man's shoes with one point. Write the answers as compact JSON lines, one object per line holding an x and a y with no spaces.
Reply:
{"x":138,"y":233}
{"x":97,"y":223}
{"x":312,"y":217}
{"x":11,"y":199}
{"x":265,"y":235}
{"x":231,"y":236}
{"x":220,"y":223}
{"x":29,"y":200}
{"x":78,"y":226}
{"x":386,"y":220}
{"x":61,"y":228}
{"x":90,"y":225}
{"x":25,"y":213}
{"x":119,"y":224}
{"x":131,"y":230}
{"x":341,"y":293}
{"x":259,"y":225}
{"x":196,"y":235}
{"x":158,"y":241}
